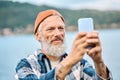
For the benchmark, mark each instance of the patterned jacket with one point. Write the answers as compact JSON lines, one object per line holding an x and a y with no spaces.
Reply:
{"x":37,"y":67}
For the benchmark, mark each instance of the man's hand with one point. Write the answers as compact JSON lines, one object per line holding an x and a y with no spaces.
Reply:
{"x":96,"y":54}
{"x":78,"y":48}
{"x":76,"y":54}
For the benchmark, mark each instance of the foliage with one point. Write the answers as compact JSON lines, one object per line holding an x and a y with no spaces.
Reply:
{"x":19,"y":15}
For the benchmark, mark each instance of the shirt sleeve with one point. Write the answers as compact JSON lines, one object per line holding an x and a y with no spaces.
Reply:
{"x":89,"y":72}
{"x":109,"y":76}
{"x":24,"y":71}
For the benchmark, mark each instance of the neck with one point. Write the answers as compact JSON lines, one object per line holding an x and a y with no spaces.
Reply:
{"x":50,"y":57}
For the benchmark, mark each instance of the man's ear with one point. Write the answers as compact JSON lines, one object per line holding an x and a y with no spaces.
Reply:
{"x":38,"y":37}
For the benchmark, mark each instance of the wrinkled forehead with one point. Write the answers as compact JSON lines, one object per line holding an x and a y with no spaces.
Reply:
{"x":53,"y":20}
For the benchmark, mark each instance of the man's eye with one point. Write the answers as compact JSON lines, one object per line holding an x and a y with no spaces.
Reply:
{"x":49,"y":29}
{"x":60,"y":28}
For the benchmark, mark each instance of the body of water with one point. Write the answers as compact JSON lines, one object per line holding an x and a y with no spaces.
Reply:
{"x":14,"y":48}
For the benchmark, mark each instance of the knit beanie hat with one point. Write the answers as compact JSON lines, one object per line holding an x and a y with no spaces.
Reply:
{"x":43,"y":15}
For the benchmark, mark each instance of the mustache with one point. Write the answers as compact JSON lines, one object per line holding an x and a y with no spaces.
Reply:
{"x":57,"y":38}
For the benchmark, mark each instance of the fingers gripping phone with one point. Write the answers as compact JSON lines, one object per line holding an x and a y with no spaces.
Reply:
{"x":86,"y":25}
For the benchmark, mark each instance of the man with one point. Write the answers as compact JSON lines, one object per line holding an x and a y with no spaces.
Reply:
{"x":52,"y":63}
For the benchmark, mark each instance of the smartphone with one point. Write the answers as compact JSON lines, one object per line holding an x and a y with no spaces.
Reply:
{"x":86,"y":25}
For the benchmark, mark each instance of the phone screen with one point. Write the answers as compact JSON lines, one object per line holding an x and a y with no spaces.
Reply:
{"x":85,"y":24}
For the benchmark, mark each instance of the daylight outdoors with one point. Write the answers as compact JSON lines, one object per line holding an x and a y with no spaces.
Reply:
{"x":17,"y":19}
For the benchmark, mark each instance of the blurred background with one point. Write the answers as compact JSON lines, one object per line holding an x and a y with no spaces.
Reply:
{"x":17,"y":19}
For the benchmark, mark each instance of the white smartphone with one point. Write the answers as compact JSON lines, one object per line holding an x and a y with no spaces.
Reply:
{"x":85,"y":24}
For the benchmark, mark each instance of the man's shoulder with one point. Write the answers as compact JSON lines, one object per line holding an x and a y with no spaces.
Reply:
{"x":30,"y":58}
{"x":22,"y":63}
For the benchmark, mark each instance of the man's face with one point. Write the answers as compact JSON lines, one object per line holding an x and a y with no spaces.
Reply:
{"x":53,"y":30}
{"x":52,"y":33}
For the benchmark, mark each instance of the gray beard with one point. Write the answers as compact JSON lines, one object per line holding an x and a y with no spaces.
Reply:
{"x":53,"y":50}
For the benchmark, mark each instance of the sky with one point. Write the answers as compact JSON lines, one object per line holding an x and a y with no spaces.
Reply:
{"x":77,"y":4}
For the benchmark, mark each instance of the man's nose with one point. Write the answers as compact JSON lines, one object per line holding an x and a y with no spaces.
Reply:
{"x":57,"y":32}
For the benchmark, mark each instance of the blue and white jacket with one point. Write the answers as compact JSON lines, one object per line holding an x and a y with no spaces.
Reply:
{"x":37,"y":67}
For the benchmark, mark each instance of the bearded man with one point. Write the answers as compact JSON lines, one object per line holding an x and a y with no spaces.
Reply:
{"x":51,"y":62}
